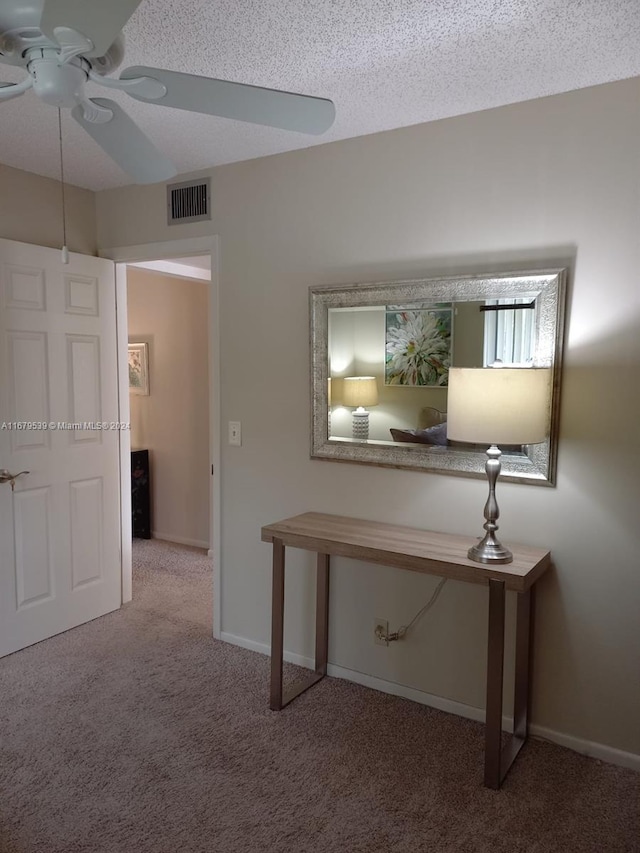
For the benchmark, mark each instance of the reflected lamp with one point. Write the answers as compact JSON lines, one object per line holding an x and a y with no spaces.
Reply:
{"x":493,"y":406}
{"x":358,"y":392}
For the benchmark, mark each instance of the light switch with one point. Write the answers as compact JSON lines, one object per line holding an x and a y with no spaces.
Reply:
{"x":235,"y":433}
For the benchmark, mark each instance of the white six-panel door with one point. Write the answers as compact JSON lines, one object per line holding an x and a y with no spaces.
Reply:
{"x":59,"y":527}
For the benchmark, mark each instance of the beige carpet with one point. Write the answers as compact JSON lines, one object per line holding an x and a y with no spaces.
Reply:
{"x":138,"y":733}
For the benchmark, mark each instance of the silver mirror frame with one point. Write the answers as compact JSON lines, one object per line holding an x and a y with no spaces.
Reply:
{"x":536,"y":465}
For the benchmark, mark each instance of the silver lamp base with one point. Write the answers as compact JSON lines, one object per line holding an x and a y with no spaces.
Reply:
{"x":490,"y":549}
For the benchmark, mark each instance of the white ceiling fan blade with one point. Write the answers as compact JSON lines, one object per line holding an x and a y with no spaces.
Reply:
{"x":99,"y":20}
{"x":126,"y":144}
{"x":14,"y":90}
{"x":240,"y":101}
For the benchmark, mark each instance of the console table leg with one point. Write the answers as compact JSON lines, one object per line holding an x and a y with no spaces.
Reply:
{"x":495,"y":666}
{"x":277,"y":625}
{"x":322,"y":613}
{"x":277,"y":698}
{"x":522,"y":676}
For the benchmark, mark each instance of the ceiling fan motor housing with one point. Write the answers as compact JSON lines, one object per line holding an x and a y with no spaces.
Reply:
{"x":20,"y":33}
{"x":56,"y":84}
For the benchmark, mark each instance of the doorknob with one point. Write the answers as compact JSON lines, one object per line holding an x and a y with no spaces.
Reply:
{"x":8,"y":477}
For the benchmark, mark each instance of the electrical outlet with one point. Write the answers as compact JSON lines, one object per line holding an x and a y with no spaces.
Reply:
{"x":380,"y":631}
{"x":235,"y":433}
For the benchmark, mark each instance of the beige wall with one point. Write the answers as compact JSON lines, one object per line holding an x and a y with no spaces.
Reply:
{"x":31,"y":212}
{"x":553,"y":181}
{"x":173,"y":421}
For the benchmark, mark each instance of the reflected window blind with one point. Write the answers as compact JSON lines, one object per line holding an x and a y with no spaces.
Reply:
{"x":509,"y":334}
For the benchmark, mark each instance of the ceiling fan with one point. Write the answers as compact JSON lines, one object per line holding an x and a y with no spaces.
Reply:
{"x":64,"y":43}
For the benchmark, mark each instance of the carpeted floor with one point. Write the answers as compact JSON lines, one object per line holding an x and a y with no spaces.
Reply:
{"x":138,"y":733}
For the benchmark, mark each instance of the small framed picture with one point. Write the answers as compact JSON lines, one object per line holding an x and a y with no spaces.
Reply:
{"x":139,"y":368}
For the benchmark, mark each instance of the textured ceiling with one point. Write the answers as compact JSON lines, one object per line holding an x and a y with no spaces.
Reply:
{"x":385,"y":64}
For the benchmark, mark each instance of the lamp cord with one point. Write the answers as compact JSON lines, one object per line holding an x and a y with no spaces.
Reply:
{"x":64,"y":216}
{"x":404,"y":628}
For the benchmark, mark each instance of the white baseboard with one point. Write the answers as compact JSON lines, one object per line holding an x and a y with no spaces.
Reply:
{"x":587,"y":747}
{"x":594,"y":750}
{"x":179,"y":540}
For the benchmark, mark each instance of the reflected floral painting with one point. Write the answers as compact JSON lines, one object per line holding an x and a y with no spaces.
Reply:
{"x":418,"y":346}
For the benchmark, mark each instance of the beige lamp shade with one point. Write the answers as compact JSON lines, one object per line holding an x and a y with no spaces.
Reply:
{"x":499,"y":405}
{"x":359,"y":391}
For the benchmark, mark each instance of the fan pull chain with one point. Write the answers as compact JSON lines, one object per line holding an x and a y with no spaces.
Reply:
{"x":65,"y":251}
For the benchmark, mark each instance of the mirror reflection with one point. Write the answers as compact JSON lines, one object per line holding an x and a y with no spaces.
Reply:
{"x":381,"y":355}
{"x":398,"y":358}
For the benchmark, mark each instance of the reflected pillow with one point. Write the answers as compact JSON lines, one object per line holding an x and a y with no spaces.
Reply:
{"x":436,"y":435}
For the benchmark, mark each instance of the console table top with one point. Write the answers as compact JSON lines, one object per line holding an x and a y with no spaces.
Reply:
{"x":408,"y":548}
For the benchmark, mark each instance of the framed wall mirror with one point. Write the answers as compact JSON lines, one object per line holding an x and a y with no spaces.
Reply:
{"x":380,"y":355}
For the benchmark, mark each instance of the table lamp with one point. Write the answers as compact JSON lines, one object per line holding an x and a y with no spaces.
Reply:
{"x":360,"y":391}
{"x":497,"y":405}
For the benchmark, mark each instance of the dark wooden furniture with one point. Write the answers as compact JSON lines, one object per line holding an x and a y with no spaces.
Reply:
{"x":418,"y":551}
{"x":140,"y":495}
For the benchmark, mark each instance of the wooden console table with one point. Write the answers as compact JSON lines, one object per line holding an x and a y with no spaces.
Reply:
{"x":418,"y":551}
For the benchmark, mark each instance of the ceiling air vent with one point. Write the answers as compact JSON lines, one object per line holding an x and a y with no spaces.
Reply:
{"x":189,"y":201}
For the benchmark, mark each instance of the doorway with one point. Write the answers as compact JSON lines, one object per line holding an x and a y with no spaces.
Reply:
{"x":197,"y":258}
{"x":168,"y":331}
